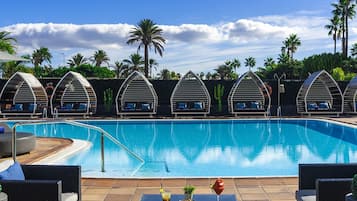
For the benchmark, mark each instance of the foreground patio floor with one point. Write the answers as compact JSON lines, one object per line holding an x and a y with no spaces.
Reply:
{"x":245,"y":189}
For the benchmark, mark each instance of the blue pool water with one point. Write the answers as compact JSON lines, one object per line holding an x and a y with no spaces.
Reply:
{"x":200,"y":148}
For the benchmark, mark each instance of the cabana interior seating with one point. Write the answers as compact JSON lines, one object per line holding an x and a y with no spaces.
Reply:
{"x":190,"y":96}
{"x":249,"y":95}
{"x":319,"y":94}
{"x":349,"y":97}
{"x":23,"y":94}
{"x":73,"y":95}
{"x":136,"y":96}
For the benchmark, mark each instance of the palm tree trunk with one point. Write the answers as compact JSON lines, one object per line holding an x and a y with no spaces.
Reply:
{"x":346,"y":43}
{"x":334,"y":47}
{"x":146,"y":59}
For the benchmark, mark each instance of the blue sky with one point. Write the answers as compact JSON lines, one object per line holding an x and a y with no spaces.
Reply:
{"x":200,"y":34}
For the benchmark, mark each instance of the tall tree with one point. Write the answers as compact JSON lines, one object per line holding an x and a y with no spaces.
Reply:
{"x":224,"y":71}
{"x":99,"y":57}
{"x":345,"y":10}
{"x":148,"y":34}
{"x":354,"y":50}
{"x":7,"y":42}
{"x":164,"y":74}
{"x":334,"y":30}
{"x":269,"y":62}
{"x":152,"y":64}
{"x":77,"y":60}
{"x":249,"y":62}
{"x":121,"y":70}
{"x":38,"y":57}
{"x":134,"y":63}
{"x":291,"y":44}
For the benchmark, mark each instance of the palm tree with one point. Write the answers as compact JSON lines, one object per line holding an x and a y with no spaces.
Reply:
{"x":268,"y":62}
{"x":291,"y":44}
{"x":134,"y":63}
{"x":334,"y":30}
{"x":77,"y":60}
{"x":148,"y":34}
{"x":6,"y":42}
{"x":38,"y":57}
{"x":121,"y":70}
{"x":224,"y":71}
{"x":164,"y":74}
{"x":250,"y":62}
{"x":345,"y":10}
{"x":234,"y":64}
{"x":152,"y":64}
{"x":99,"y":57}
{"x":354,"y":50}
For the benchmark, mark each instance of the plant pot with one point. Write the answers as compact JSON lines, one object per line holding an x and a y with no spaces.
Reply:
{"x":188,"y":196}
{"x":349,"y":197}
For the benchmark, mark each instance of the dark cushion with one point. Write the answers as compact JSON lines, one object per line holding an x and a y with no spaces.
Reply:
{"x":14,"y":172}
{"x":2,"y":129}
{"x":68,"y":106}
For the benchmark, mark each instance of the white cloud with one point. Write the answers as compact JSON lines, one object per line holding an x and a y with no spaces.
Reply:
{"x":200,"y":47}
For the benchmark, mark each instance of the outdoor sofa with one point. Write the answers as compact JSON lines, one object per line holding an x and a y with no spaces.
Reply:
{"x":325,"y":182}
{"x":45,"y":183}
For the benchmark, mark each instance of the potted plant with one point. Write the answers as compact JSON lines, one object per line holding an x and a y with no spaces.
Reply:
{"x":188,"y":192}
{"x":353,"y":195}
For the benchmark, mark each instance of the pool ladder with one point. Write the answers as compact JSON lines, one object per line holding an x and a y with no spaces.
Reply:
{"x":100,"y":130}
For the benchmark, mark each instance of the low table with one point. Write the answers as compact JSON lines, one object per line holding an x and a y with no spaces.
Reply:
{"x":196,"y":197}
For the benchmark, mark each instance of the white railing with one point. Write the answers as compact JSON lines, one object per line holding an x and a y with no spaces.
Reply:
{"x":100,"y":130}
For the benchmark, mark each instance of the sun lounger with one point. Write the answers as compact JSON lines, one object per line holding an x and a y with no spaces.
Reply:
{"x":325,"y":182}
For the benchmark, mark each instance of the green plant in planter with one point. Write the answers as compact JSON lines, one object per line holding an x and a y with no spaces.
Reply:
{"x":188,"y":191}
{"x":218,"y":93}
{"x":354,"y":187}
{"x":108,"y":99}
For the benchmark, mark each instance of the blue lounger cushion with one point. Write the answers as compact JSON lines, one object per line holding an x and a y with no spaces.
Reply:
{"x":254,"y":105}
{"x":145,"y":107}
{"x":68,"y":106}
{"x":18,"y":107}
{"x":32,"y":107}
{"x":324,"y":105}
{"x":241,"y":106}
{"x":82,"y":106}
{"x":14,"y":172}
{"x":198,"y":105}
{"x":312,"y":106}
{"x":130,"y":106}
{"x":181,"y":105}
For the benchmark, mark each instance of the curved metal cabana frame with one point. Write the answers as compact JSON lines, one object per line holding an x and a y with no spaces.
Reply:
{"x":350,"y":97}
{"x":190,"y":96}
{"x":73,"y":95}
{"x":319,"y":94}
{"x":23,"y":94}
{"x":249,"y":95}
{"x":136,"y":96}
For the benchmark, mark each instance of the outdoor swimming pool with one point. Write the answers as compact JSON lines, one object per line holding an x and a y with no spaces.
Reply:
{"x":207,"y":148}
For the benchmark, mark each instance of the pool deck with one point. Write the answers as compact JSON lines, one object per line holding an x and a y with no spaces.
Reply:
{"x":245,"y":189}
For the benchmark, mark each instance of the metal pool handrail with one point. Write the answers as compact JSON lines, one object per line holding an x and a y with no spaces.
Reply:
{"x":103,"y":133}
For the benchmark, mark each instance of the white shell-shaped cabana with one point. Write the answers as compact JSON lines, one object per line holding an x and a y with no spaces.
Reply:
{"x":190,"y":96}
{"x":319,"y":94}
{"x":23,"y":94}
{"x":350,"y":97}
{"x":73,"y":95}
{"x":136,"y":96}
{"x":249,"y":95}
